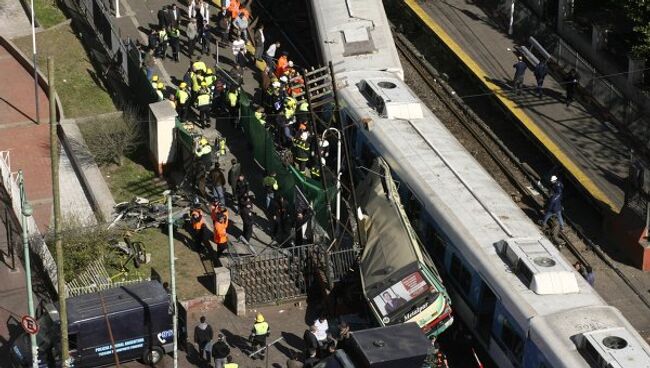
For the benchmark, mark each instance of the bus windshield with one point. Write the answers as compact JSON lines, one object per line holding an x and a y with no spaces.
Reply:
{"x":400,"y":293}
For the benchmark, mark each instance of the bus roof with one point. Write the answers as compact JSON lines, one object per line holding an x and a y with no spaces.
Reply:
{"x":390,"y":247}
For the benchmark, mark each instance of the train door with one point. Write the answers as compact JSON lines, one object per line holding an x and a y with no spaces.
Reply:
{"x":485,"y":315}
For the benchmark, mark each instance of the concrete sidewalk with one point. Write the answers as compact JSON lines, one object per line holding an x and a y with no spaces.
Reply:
{"x":587,"y":147}
{"x":14,"y":22}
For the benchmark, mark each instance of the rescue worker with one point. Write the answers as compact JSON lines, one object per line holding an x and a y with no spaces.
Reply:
{"x":270,"y":184}
{"x":182,"y":98}
{"x":160,"y":90}
{"x":203,"y":154}
{"x":221,"y":233}
{"x":232,"y":98}
{"x":154,"y":81}
{"x":163,"y":39}
{"x":281,"y":65}
{"x":204,"y":104}
{"x":230,"y":363}
{"x":314,"y":172}
{"x":199,"y":228}
{"x":210,"y":78}
{"x":260,"y":116}
{"x":258,"y":336}
{"x":175,"y":42}
{"x":301,"y":152}
{"x":216,"y":209}
{"x":199,"y":65}
{"x":302,"y":114}
{"x":290,"y":105}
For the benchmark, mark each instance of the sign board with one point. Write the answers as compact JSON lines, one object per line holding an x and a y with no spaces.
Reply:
{"x":29,"y":325}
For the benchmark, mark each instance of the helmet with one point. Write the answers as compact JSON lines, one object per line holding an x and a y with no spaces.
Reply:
{"x":553,"y":179}
{"x":290,"y":63}
{"x":259,"y":318}
{"x":209,"y":71}
{"x":204,"y":84}
{"x":284,"y":79}
{"x":203,"y":141}
{"x":160,"y":85}
{"x":154,"y":78}
{"x":276,"y":84}
{"x":304,"y":136}
{"x":183,"y":85}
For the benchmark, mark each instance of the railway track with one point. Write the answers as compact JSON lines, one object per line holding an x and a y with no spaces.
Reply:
{"x":516,"y":177}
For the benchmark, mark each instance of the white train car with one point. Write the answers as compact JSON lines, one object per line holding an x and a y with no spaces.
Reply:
{"x":523,"y":301}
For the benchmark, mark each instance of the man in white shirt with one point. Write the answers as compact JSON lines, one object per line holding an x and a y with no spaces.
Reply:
{"x":321,"y":329}
{"x":239,"y":51}
{"x":269,"y":55}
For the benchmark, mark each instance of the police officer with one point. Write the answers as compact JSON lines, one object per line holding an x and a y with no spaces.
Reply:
{"x":258,"y":336}
{"x":301,"y":150}
{"x":182,"y":98}
{"x":204,"y":104}
{"x":247,"y":219}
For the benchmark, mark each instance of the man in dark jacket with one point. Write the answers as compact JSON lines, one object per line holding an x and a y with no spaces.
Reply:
{"x":202,"y":334}
{"x":220,"y":352}
{"x":311,"y":341}
{"x":162,"y":18}
{"x":233,"y":174}
{"x":554,"y":206}
{"x":520,"y":70}
{"x":311,"y":360}
{"x":247,"y":218}
{"x":571,"y":83}
{"x":541,"y":70}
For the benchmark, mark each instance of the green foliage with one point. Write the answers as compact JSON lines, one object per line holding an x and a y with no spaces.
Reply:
{"x":638,"y":11}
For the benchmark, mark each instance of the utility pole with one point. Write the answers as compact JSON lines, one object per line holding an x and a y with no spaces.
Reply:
{"x":26,"y":211}
{"x":54,"y":153}
{"x":172,"y":272}
{"x":38,"y":115}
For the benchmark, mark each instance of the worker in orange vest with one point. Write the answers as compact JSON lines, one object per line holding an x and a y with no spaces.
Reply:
{"x":217,"y":208}
{"x":220,"y":232}
{"x":233,"y":8}
{"x":281,"y":65}
{"x":199,"y":228}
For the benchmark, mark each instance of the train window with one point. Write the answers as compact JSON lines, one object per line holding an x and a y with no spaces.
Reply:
{"x":460,"y":273}
{"x":435,"y":244}
{"x":511,"y":340}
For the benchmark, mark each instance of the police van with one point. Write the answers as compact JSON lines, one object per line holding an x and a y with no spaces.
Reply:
{"x":138,"y":316}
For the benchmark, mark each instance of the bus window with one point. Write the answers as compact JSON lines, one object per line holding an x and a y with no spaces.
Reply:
{"x":460,"y":274}
{"x":511,"y":340}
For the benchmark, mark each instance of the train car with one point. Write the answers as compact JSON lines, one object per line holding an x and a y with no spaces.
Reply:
{"x":399,"y":280}
{"x":523,"y":301}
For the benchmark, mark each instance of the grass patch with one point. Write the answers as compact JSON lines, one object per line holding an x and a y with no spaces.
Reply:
{"x":131,"y":180}
{"x":74,"y":74}
{"x":48,"y":13}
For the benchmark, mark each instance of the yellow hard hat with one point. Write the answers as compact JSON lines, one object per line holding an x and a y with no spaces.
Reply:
{"x":203,"y":141}
{"x":259,"y":318}
{"x":154,"y":78}
{"x":183,"y":85}
{"x":209,"y":71}
{"x":160,"y":85}
{"x":204,"y":84}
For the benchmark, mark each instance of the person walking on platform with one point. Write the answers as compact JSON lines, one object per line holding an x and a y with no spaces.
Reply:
{"x":258,"y":336}
{"x":554,"y":206}
{"x":202,"y":334}
{"x":192,"y":35}
{"x":571,"y":82}
{"x":518,"y":80}
{"x":541,"y":70}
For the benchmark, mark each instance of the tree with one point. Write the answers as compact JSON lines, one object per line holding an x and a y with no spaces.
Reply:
{"x":110,"y":139}
{"x":638,"y":11}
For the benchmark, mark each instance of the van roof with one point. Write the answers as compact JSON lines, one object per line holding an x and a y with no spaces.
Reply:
{"x":116,"y":299}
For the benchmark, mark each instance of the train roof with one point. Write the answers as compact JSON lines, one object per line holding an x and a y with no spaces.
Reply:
{"x":493,"y":234}
{"x":355,"y":35}
{"x":390,"y":245}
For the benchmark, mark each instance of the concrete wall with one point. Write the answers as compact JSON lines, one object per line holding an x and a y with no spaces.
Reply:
{"x":162,"y":125}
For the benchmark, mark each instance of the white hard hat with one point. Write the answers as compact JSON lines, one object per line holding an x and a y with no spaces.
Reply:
{"x":553,"y":179}
{"x":304,"y":136}
{"x":284,"y":79}
{"x":290,"y":63}
{"x":276,"y":84}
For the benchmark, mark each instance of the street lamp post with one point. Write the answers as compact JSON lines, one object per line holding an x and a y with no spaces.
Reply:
{"x":172,"y":271}
{"x":38,"y":115}
{"x":338,"y":171}
{"x":26,"y":211}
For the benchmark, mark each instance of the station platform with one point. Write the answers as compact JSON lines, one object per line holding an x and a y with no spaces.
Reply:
{"x":583,"y":143}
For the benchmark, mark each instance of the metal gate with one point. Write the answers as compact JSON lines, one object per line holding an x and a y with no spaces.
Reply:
{"x":289,"y":273}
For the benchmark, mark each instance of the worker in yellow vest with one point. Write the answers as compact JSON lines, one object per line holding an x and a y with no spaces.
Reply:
{"x":204,"y":104}
{"x":182,"y":98}
{"x":232,"y":102}
{"x":199,"y":65}
{"x":230,"y":363}
{"x":258,"y":336}
{"x":160,"y":89}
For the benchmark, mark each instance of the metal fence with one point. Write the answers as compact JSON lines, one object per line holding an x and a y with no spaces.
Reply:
{"x":289,"y":273}
{"x":36,"y":242}
{"x":124,"y":57}
{"x":93,"y":279}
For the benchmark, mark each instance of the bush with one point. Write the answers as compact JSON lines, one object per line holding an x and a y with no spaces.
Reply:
{"x":110,"y":139}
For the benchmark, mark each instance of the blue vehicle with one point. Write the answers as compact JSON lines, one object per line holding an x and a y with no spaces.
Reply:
{"x":140,"y":324}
